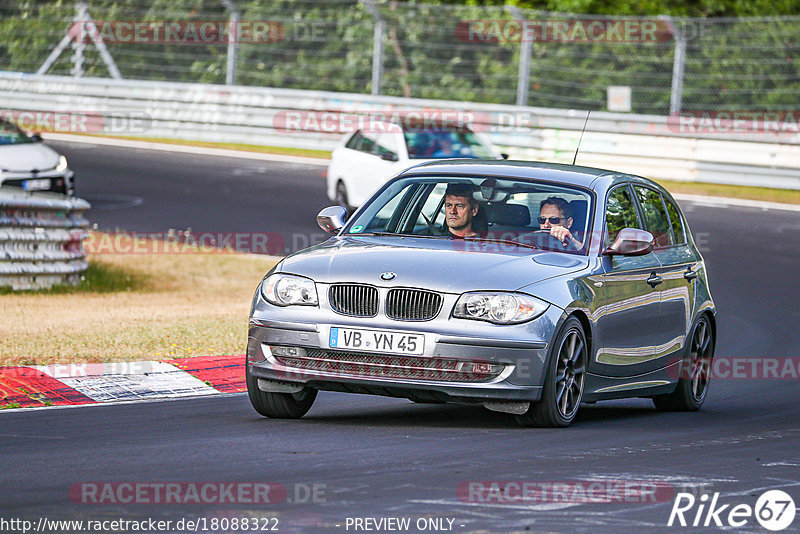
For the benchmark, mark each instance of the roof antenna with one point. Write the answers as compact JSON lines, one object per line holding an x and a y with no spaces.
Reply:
{"x":581,"y":138}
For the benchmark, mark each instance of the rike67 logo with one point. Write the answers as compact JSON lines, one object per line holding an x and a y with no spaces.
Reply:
{"x":774,"y":510}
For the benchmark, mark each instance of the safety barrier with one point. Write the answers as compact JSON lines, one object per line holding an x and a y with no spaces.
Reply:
{"x":41,"y":239}
{"x":650,"y":145}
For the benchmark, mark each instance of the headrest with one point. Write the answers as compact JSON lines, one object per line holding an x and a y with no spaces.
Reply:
{"x":509,"y":215}
{"x":579,"y":208}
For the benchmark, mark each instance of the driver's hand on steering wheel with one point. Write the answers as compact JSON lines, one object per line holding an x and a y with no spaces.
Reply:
{"x":562,"y":234}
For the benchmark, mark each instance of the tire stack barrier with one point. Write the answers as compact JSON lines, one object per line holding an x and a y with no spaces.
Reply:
{"x":41,"y":239}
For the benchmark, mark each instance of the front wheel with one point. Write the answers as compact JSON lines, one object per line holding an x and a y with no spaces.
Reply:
{"x":279,"y":405}
{"x":564,"y":380}
{"x":694,"y":372}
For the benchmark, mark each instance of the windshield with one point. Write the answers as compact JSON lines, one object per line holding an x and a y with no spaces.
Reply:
{"x":534,"y":214}
{"x":11,"y":135}
{"x":427,"y":144}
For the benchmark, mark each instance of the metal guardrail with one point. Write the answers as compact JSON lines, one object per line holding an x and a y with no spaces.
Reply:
{"x":41,"y":239}
{"x":641,"y":144}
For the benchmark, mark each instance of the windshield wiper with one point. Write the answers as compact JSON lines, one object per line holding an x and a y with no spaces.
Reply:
{"x":394,"y":234}
{"x":503,"y":241}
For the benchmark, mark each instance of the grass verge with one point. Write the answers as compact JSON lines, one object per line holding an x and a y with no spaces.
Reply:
{"x":785,"y":196}
{"x":284,"y":151}
{"x":135,"y":307}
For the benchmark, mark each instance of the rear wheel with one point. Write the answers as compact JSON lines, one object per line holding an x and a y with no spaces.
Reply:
{"x":279,"y":405}
{"x":694,"y":373}
{"x":564,"y":380}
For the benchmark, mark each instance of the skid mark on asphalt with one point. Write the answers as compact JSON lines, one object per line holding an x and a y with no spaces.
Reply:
{"x":109,"y":202}
{"x":664,"y":448}
{"x":540,"y":507}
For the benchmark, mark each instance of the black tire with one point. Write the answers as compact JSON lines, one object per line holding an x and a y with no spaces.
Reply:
{"x":279,"y":405}
{"x":564,"y":380}
{"x":341,"y":196}
{"x":694,"y":372}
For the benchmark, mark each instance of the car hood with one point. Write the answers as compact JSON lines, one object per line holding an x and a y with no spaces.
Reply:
{"x":25,"y":157}
{"x":450,"y":266}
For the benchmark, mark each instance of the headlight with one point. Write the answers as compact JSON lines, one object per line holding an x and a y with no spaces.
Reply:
{"x":499,"y":308}
{"x":62,"y":164}
{"x":288,"y":289}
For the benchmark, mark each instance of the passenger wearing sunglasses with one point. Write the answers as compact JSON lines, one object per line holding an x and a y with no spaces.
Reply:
{"x":555,"y":214}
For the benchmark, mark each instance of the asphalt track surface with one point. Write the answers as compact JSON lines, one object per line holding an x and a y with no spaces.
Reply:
{"x":379,"y":457}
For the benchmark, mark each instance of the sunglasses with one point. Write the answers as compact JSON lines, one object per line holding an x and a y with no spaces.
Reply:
{"x":553,"y":220}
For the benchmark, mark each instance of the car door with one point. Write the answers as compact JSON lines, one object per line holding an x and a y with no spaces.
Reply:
{"x":360,"y":160}
{"x":678,"y":264}
{"x":628,"y":319}
{"x":377,"y":166}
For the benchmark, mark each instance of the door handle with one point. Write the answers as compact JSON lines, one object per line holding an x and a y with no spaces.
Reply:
{"x":690,"y":274}
{"x":654,"y":280}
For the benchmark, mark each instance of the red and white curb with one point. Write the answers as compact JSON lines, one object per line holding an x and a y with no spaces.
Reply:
{"x":92,"y":383}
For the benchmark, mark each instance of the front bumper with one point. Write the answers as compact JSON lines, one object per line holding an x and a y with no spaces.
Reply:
{"x":504,"y":363}
{"x":51,"y":181}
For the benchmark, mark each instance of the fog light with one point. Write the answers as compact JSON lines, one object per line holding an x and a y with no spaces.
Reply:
{"x":295,"y":352}
{"x":484,"y":369}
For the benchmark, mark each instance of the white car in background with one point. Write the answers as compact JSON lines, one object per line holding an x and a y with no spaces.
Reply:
{"x":364,"y":160}
{"x":26,"y":162}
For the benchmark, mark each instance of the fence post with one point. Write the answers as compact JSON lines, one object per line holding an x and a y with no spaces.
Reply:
{"x":78,"y":45}
{"x":377,"y":46}
{"x":233,"y":42}
{"x":678,"y":67}
{"x":524,"y":76}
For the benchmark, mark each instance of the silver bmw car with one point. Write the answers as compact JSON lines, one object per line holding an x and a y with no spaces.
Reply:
{"x":529,"y":288}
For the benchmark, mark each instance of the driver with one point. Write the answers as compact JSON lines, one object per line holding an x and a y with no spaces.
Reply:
{"x":460,"y":208}
{"x":555,"y":214}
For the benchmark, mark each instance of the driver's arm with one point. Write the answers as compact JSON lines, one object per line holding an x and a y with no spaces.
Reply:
{"x":562,"y":234}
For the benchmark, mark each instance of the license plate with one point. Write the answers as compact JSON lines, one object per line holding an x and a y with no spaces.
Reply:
{"x":40,"y":184}
{"x":376,"y":341}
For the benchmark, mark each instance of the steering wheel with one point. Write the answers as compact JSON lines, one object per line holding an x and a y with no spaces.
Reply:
{"x":553,"y":243}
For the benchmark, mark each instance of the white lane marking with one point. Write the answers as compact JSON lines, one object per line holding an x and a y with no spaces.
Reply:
{"x":724,"y":202}
{"x":187,"y":149}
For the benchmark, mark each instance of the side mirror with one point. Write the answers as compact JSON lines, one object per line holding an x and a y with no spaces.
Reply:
{"x":332,"y":219}
{"x":631,"y":242}
{"x":389,"y":156}
{"x":36,"y":136}
{"x":504,"y":155}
